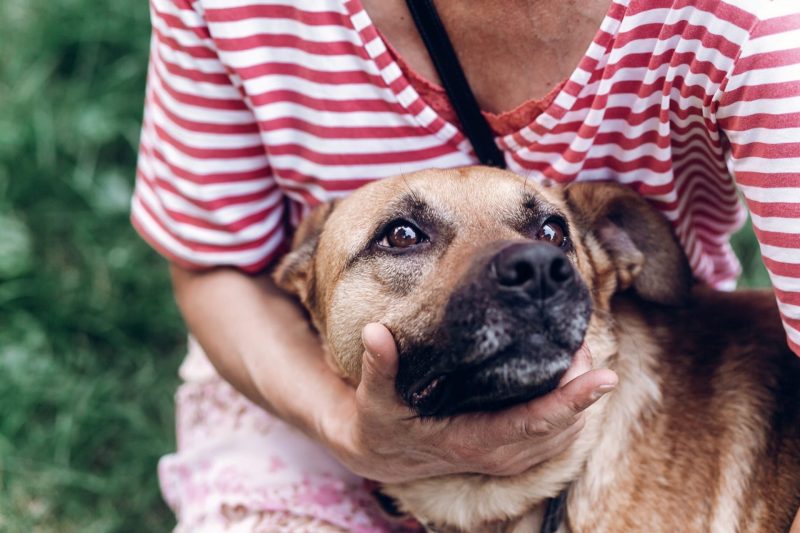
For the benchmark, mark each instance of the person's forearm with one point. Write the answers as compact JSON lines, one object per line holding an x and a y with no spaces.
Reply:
{"x":258,"y":339}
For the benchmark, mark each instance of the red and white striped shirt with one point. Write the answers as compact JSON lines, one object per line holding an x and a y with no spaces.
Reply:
{"x":258,"y":109}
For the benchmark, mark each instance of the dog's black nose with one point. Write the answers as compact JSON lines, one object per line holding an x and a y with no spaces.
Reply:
{"x":537,"y":268}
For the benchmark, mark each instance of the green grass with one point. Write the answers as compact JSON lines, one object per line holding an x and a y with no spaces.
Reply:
{"x":753,"y":272}
{"x":89,"y":336}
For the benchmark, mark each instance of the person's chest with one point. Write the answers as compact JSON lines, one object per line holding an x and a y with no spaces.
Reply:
{"x":511,"y":50}
{"x":335,"y":109}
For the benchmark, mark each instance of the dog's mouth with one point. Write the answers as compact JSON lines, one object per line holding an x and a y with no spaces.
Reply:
{"x":421,"y":396}
{"x":509,"y":377}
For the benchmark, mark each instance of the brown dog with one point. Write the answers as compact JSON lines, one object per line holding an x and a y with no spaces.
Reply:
{"x":490,"y":284}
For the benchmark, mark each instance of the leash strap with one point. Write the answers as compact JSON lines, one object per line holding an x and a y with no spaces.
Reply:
{"x":445,"y":60}
{"x":555,"y":513}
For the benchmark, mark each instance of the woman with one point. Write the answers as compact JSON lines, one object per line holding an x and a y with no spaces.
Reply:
{"x":257,"y":110}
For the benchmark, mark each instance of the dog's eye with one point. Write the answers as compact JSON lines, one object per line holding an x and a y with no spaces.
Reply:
{"x":402,"y":234}
{"x":553,"y":232}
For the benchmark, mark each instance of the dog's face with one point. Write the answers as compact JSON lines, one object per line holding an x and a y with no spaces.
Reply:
{"x":487,"y":282}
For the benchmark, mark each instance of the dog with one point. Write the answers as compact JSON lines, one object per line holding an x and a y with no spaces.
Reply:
{"x":490,"y":284}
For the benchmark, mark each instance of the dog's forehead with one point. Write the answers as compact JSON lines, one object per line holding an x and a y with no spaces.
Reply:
{"x":475,"y":195}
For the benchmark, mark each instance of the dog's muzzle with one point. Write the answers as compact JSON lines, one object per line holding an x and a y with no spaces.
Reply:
{"x":508,"y":334}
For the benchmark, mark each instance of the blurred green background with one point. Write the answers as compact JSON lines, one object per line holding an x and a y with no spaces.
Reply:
{"x":90,"y":340}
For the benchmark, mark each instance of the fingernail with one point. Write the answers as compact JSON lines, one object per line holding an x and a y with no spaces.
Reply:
{"x":600,"y":391}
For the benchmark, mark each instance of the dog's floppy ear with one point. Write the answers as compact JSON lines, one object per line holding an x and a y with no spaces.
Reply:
{"x":638,"y":239}
{"x":294,"y":272}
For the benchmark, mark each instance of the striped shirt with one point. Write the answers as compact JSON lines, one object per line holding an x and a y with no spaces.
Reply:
{"x":258,"y":109}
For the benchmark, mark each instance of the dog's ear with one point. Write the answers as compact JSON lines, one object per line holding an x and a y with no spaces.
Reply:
{"x":637,"y":238}
{"x":295,"y":272}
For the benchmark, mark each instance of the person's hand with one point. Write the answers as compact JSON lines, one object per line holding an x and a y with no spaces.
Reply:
{"x":378,"y":437}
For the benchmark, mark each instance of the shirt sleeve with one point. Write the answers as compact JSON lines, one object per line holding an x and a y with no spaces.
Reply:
{"x":205,"y":195}
{"x":759,"y":113}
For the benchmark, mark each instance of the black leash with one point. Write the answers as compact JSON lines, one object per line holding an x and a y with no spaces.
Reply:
{"x":444,"y":58}
{"x":555,"y":513}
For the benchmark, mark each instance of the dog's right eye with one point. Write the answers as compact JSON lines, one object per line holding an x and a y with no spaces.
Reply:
{"x":402,"y":234}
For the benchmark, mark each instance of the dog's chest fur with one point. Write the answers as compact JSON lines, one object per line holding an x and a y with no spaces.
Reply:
{"x":703,"y":432}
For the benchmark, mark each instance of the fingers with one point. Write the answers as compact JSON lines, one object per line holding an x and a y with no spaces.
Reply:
{"x":518,"y":438}
{"x":532,"y":453}
{"x":378,"y":366}
{"x":503,"y":449}
{"x":547,"y":415}
{"x":561,"y":408}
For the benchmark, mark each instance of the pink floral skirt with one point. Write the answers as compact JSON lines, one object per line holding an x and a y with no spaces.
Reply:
{"x":237,"y":468}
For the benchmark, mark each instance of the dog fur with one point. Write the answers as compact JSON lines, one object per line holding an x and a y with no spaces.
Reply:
{"x":701,"y":434}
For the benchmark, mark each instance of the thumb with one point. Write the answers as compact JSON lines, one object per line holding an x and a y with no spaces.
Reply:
{"x":378,"y":365}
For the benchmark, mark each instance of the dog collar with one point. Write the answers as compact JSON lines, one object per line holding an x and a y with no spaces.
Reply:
{"x":555,"y":513}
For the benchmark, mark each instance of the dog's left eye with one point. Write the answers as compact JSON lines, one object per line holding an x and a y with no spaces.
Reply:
{"x":402,"y":234}
{"x":553,"y":232}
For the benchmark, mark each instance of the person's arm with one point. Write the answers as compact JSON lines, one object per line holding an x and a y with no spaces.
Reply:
{"x":759,"y":112}
{"x":248,"y":328}
{"x":259,"y":340}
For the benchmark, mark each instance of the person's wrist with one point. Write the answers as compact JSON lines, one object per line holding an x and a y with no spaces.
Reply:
{"x":336,"y":434}
{"x":324,"y":415}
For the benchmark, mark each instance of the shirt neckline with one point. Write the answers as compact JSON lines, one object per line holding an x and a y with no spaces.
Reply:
{"x":500,"y":123}
{"x":395,"y":79}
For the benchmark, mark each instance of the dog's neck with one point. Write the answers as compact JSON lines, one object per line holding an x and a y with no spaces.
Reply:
{"x":621,"y":412}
